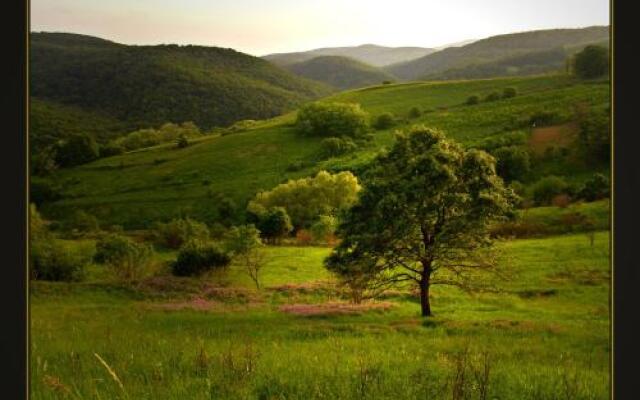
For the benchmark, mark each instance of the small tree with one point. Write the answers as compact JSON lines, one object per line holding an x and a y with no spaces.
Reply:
{"x":591,"y":62}
{"x":244,"y":243}
{"x":547,"y":188}
{"x":128,"y":260}
{"x":175,"y":233}
{"x":512,"y":162}
{"x":76,"y":150}
{"x":275,"y":224}
{"x":423,"y":217}
{"x":83,"y":222}
{"x":384,"y":121}
{"x":596,"y":187}
{"x":332,"y":119}
{"x":197,"y":257}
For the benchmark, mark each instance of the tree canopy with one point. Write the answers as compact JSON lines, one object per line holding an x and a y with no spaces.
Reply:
{"x":332,"y":119}
{"x":306,"y":199}
{"x":422,"y":217}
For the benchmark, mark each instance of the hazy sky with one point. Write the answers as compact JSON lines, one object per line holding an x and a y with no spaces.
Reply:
{"x":266,"y":26}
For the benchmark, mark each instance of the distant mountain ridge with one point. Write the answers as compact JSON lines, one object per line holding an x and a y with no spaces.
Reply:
{"x":340,"y":72}
{"x":145,"y":86}
{"x":495,"y":48}
{"x":371,"y":54}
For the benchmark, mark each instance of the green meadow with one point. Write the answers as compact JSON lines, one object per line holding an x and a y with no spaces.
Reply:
{"x":545,"y":335}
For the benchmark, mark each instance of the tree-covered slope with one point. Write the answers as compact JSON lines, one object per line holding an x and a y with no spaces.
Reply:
{"x":149,"y":85}
{"x":496,"y":48}
{"x":340,"y":72}
{"x":136,"y":189}
{"x":367,"y":53}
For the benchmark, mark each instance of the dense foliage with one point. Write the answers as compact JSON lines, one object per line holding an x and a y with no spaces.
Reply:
{"x":332,"y":119}
{"x":128,"y":260}
{"x":422,"y":217}
{"x":308,"y":198}
{"x":176,"y":232}
{"x":512,"y":162}
{"x":197,"y":257}
{"x":591,"y":62}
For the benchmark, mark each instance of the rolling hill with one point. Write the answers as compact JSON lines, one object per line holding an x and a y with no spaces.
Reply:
{"x":340,"y":72}
{"x":497,"y":48}
{"x":136,"y":189}
{"x":143,"y":86}
{"x":371,"y":54}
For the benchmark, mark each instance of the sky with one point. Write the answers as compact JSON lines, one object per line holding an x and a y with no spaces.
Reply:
{"x":260,"y":27}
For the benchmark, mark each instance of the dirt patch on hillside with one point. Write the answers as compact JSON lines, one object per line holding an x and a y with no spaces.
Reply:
{"x":549,"y":136}
{"x":334,"y":308}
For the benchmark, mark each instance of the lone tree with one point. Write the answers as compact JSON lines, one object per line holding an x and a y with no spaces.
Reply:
{"x":591,"y":62}
{"x":422,"y":217}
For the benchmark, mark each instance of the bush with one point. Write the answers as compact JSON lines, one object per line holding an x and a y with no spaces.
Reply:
{"x":76,"y":150}
{"x":561,"y":201}
{"x":387,"y":82}
{"x":275,"y":224}
{"x":509,"y":92}
{"x":82,"y":222}
{"x":303,"y":237}
{"x":493,"y":96}
{"x":111,"y":149}
{"x":471,"y":100}
{"x":595,"y":188}
{"x":384,"y":121}
{"x":43,"y":191}
{"x":332,"y":119}
{"x":332,"y":147}
{"x":182,"y":142}
{"x":51,"y":261}
{"x":547,"y":188}
{"x":512,"y":162}
{"x":197,"y":257}
{"x":179,"y":231}
{"x":594,"y":139}
{"x":591,"y":62}
{"x":127,"y":259}
{"x":543,"y":118}
{"x":414,"y":112}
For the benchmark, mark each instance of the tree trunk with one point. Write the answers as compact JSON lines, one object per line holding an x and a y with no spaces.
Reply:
{"x":424,"y":291}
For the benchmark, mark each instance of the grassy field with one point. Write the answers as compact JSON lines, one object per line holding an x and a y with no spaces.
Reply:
{"x":138,"y":188}
{"x":546,"y":336}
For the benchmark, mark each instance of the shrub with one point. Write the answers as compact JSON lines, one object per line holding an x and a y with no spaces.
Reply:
{"x":594,"y":139}
{"x":275,"y":224}
{"x":242,"y":126}
{"x":197,"y":257}
{"x":384,"y":121}
{"x":76,"y":150}
{"x":43,"y":162}
{"x":175,"y":233}
{"x":596,"y":187}
{"x":332,"y":119}
{"x":127,"y":259}
{"x":82,"y":222}
{"x":509,"y":92}
{"x":332,"y":147}
{"x":543,"y":118}
{"x":51,"y":261}
{"x":547,"y":188}
{"x":297,"y":166}
{"x":471,"y":100}
{"x":182,"y":142}
{"x":387,"y":82}
{"x":591,"y":62}
{"x":414,"y":112}
{"x":493,"y":96}
{"x":111,"y":149}
{"x":43,"y":191}
{"x":512,"y":162}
